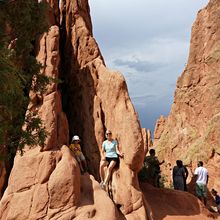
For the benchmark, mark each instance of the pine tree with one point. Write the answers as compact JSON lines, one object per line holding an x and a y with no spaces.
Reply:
{"x":21,"y":21}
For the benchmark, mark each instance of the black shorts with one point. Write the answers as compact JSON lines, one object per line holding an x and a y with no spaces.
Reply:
{"x":109,"y":159}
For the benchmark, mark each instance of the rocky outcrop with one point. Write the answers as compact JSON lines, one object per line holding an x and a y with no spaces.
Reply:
{"x":96,"y":99}
{"x":45,"y":183}
{"x":148,"y":143}
{"x":159,"y":128}
{"x":192,"y":129}
{"x":167,"y":204}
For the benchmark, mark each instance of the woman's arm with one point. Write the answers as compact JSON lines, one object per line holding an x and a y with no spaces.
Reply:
{"x":119,"y":152}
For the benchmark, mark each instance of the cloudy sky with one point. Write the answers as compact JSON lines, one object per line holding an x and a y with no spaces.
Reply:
{"x":148,"y":41}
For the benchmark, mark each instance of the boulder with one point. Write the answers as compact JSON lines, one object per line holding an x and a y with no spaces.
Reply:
{"x":167,"y":204}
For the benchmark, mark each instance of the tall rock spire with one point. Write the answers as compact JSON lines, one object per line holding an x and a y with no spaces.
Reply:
{"x":46,"y":183}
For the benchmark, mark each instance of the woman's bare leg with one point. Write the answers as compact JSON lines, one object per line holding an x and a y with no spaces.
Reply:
{"x":109,"y":171}
{"x":103,"y":164}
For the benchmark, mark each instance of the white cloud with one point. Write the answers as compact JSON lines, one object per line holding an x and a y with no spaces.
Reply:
{"x":152,"y":67}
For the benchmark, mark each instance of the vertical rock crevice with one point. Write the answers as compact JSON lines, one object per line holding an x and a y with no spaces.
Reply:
{"x":77,"y":89}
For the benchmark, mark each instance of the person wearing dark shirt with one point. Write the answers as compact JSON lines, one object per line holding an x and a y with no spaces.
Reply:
{"x":217,"y":200}
{"x":152,"y":165}
{"x":179,"y":176}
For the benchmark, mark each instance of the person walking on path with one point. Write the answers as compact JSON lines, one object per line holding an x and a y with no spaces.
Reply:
{"x":179,"y":176}
{"x":202,"y":178}
{"x":109,"y":158}
{"x":152,"y":165}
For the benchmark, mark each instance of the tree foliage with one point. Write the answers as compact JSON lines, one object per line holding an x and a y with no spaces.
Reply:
{"x":21,"y":21}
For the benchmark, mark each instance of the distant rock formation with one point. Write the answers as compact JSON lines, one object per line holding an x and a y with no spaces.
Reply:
{"x":159,"y":128}
{"x":192,"y":130}
{"x":148,"y":143}
{"x":45,"y":183}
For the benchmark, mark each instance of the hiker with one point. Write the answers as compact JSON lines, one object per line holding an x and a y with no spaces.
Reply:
{"x":109,"y":158}
{"x":152,"y":165}
{"x":201,"y":175}
{"x":76,"y":149}
{"x":179,"y":176}
{"x":217,"y":201}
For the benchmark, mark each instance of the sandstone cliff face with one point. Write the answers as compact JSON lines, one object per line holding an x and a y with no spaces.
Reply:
{"x":159,"y":128}
{"x":46,"y":183}
{"x":192,"y":129}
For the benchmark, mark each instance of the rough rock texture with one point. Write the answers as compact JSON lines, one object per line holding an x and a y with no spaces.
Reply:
{"x":159,"y":128}
{"x":45,"y":183}
{"x":2,"y":177}
{"x":35,"y":189}
{"x":192,"y":129}
{"x":174,"y":205}
{"x":146,"y":133}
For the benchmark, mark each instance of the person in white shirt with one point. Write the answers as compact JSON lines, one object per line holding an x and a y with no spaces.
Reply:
{"x":202,"y":178}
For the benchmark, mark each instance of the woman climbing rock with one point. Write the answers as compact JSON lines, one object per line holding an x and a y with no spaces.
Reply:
{"x":109,"y":158}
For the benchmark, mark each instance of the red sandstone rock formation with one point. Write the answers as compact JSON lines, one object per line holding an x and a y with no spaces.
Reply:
{"x":192,"y":129}
{"x":2,"y":177}
{"x":159,"y":128}
{"x":169,"y":204}
{"x":46,"y":183}
{"x":146,"y":133}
